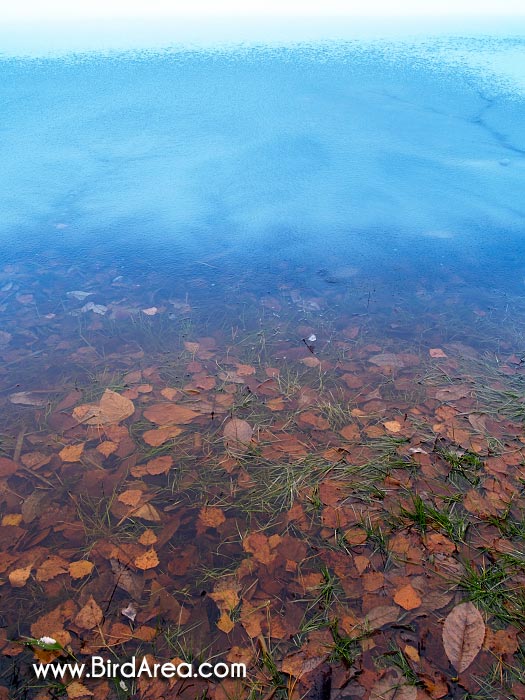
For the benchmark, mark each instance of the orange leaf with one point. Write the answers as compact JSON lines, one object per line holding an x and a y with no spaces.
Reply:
{"x":350,"y":432}
{"x":147,"y":512}
{"x":76,"y":690}
{"x":18,"y":577}
{"x":407,"y":597}
{"x":211,"y":517}
{"x":131,"y":497}
{"x":245,"y":370}
{"x":159,"y":436}
{"x":81,"y":568}
{"x":258,"y":544}
{"x":148,"y":560}
{"x":107,"y":448}
{"x":71,"y":453}
{"x":170,"y":393}
{"x":437,"y":352}
{"x":225,"y":623}
{"x":53,"y":566}
{"x":112,"y":408}
{"x":159,"y":465}
{"x":148,"y":537}
{"x":393,"y":426}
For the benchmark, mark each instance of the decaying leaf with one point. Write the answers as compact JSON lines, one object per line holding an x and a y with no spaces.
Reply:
{"x":127,"y":580}
{"x":211,"y":517}
{"x":463,"y":634}
{"x":393,"y":686}
{"x":112,"y":408}
{"x":90,"y":615}
{"x":237,"y":433}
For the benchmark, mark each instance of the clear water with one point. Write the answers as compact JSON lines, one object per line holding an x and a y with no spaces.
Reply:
{"x":367,"y":192}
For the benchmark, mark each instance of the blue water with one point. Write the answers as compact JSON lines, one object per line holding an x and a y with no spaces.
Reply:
{"x":374,"y":155}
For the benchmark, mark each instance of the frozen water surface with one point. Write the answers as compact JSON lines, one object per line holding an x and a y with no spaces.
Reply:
{"x":361,"y":151}
{"x":262,"y":360}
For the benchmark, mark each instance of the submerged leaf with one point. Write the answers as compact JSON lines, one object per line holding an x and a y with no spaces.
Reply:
{"x":463,"y":635}
{"x":237,"y":433}
{"x":112,"y":408}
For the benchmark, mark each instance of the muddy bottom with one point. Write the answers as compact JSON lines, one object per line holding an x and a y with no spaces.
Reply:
{"x":307,"y":478}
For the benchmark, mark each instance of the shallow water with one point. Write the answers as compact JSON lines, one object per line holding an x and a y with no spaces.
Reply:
{"x":324,"y":242}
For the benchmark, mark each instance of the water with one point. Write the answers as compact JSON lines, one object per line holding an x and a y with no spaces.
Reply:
{"x":321,"y":240}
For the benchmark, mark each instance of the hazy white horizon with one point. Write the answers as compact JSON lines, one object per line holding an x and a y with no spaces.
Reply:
{"x":65,"y":10}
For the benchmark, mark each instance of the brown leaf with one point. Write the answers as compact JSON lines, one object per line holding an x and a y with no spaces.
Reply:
{"x":167,"y":413}
{"x":127,"y":580}
{"x":72,"y":453}
{"x":112,"y":408}
{"x":131,"y":497}
{"x":381,"y":616}
{"x":76,"y":690}
{"x":211,"y":517}
{"x":237,"y":433}
{"x":387,"y":359}
{"x":452,"y":392}
{"x":159,"y":436}
{"x":393,"y":686}
{"x":463,"y":634}
{"x":7,"y":466}
{"x":90,"y":615}
{"x":147,"y":512}
{"x":53,"y":566}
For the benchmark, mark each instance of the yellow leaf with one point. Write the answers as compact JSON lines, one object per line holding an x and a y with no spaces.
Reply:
{"x":12,"y":519}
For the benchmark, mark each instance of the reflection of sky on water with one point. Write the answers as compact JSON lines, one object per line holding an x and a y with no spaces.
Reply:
{"x":354,"y":151}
